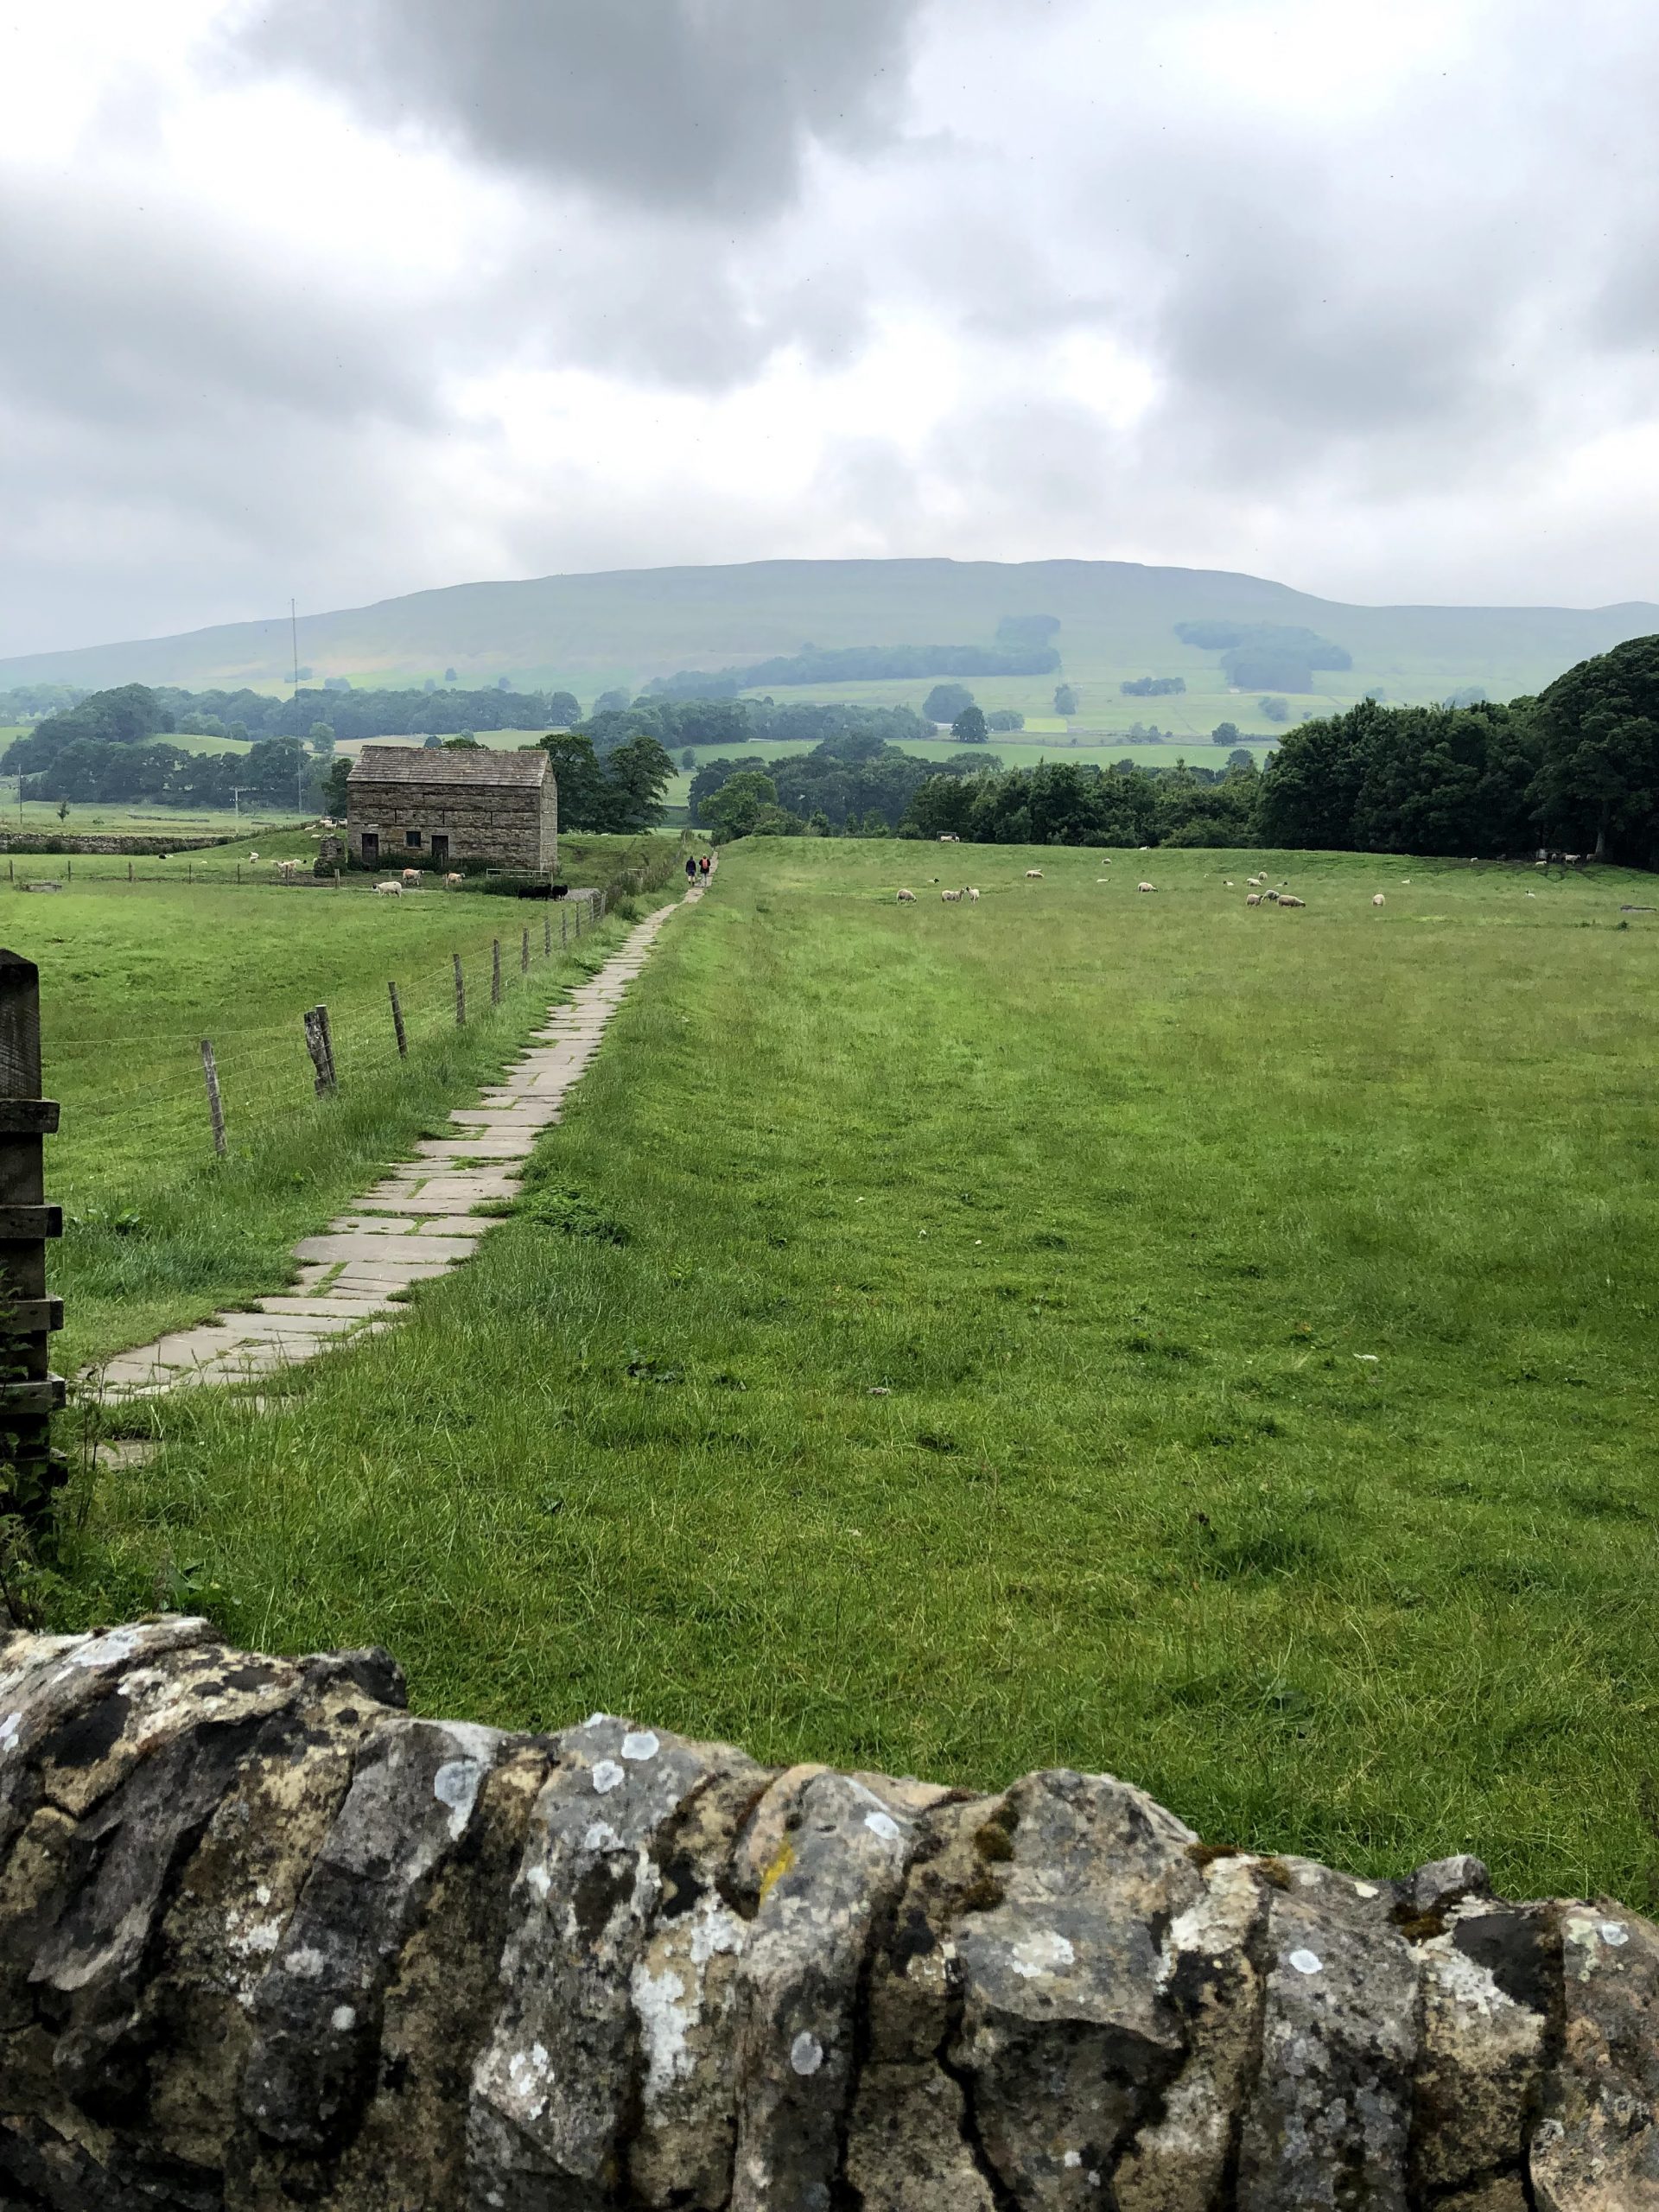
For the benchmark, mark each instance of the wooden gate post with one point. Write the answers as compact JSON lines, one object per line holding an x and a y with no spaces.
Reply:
{"x":461,"y":993}
{"x":495,"y":971}
{"x":29,"y":1392}
{"x":523,"y":953}
{"x":547,"y":933}
{"x":398,"y":1023}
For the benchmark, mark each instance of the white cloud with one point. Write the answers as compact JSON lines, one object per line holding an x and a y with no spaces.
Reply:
{"x":1362,"y":298}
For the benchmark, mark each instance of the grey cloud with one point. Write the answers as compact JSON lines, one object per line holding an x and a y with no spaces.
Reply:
{"x":704,"y":106}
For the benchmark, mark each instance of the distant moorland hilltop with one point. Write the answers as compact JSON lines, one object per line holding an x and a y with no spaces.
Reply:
{"x":883,"y":630}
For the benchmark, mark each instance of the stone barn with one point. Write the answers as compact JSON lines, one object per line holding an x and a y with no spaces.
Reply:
{"x":405,"y":805}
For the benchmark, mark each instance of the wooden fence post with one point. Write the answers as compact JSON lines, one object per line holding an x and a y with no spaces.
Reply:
{"x":564,"y":927}
{"x":30,"y":1392}
{"x":129,"y":871}
{"x":547,"y":933}
{"x":523,"y":953}
{"x":317,"y":1043}
{"x":495,"y":971}
{"x":461,"y":995}
{"x":398,"y":1023}
{"x":215,"y":1104}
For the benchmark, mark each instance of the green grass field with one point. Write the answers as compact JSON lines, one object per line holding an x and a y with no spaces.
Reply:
{"x":1133,"y":1333}
{"x":134,"y":976}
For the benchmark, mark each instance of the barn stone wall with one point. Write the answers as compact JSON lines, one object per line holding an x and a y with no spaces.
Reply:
{"x":267,"y":1940}
{"x":512,"y":826}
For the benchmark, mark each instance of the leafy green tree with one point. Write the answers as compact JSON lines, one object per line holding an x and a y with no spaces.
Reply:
{"x":687,"y":761}
{"x":465,"y":743}
{"x":737,"y":807}
{"x":636,"y":774}
{"x":1598,"y":783}
{"x":611,"y":703}
{"x":1065,"y":700}
{"x":1224,"y":733}
{"x":322,"y":740}
{"x":584,"y":795}
{"x":970,"y":727}
{"x":1276,"y":710}
{"x":450,"y":676}
{"x":1005,"y":718}
{"x":946,"y":701}
{"x":563,"y":707}
{"x":1242,"y":758}
{"x":333,"y":789}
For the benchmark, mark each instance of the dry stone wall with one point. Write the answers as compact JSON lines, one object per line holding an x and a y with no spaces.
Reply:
{"x":267,"y":1940}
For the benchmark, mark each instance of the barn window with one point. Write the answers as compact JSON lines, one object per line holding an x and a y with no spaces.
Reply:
{"x":412,"y":839}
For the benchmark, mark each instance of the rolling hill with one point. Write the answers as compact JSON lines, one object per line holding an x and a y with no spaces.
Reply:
{"x":1117,"y":621}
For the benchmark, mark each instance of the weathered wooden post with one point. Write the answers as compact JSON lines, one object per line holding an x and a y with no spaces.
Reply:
{"x":398,"y":1023}
{"x":129,"y":871}
{"x":523,"y":953}
{"x":547,"y":933}
{"x":495,"y":971}
{"x":461,"y":995}
{"x":564,"y":927}
{"x":215,"y":1104}
{"x":317,"y":1043}
{"x":30,"y":1392}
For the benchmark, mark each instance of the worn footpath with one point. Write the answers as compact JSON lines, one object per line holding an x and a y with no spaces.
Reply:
{"x":419,"y":1220}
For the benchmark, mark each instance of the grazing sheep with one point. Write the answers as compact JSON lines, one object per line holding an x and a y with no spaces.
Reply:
{"x":453,"y":881}
{"x":285,"y":870}
{"x":1145,"y":886}
{"x":1230,"y":883}
{"x":949,"y":837}
{"x":1285,"y":899}
{"x":1377,"y":899}
{"x":389,"y":890}
{"x":1254,"y":899}
{"x":1272,"y":897}
{"x":411,"y":875}
{"x":973,"y":895}
{"x":951,"y":898}
{"x":1034,"y":876}
{"x":907,"y":899}
{"x":253,"y":857}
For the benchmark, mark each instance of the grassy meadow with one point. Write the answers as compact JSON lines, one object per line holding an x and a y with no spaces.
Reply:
{"x":1081,"y":1327}
{"x":133,"y":977}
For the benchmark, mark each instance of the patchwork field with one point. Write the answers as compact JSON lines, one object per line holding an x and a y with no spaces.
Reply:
{"x":1083,"y":1327}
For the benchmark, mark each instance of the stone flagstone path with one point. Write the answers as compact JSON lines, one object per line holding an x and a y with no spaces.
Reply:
{"x":418,"y":1222}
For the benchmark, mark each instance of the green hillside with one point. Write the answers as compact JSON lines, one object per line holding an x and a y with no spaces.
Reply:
{"x":1117,"y":619}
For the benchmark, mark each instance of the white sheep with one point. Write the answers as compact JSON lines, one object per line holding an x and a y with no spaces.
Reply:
{"x":253,"y":857}
{"x":453,"y":881}
{"x":907,"y":899}
{"x":1034,"y":876}
{"x":1377,"y":899}
{"x":973,"y":895}
{"x":951,"y":897}
{"x":1145,"y":886}
{"x":389,"y":890}
{"x":1254,"y":899}
{"x":411,"y":875}
{"x":1285,"y":899}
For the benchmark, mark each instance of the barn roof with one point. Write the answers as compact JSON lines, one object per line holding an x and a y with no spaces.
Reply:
{"x":414,"y":764}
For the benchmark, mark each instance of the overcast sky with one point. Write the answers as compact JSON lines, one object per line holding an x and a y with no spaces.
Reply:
{"x":344,"y":298}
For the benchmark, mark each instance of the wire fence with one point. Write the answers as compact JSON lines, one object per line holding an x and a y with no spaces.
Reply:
{"x":146,"y":1088}
{"x":265,"y":1076}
